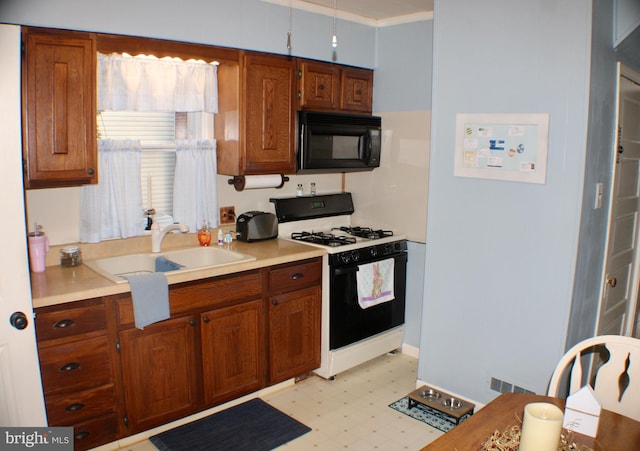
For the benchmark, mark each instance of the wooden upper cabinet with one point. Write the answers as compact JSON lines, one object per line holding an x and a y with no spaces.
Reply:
{"x":318,"y":85}
{"x":59,"y":104}
{"x":334,"y":87}
{"x":269,"y":115}
{"x":356,"y":90}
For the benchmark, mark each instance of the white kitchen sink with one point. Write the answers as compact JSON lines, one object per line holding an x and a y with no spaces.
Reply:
{"x":171,"y":262}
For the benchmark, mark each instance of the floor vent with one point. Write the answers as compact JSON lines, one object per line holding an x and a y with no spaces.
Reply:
{"x":506,"y":387}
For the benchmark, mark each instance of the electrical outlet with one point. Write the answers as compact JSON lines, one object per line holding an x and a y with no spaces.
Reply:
{"x":227,"y":215}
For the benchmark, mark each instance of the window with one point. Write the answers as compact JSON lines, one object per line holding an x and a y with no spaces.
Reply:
{"x":154,"y":144}
{"x":157,"y":133}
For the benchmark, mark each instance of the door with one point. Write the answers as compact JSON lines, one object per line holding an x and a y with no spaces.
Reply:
{"x":351,"y":323}
{"x":232,"y":351}
{"x":269,"y":126}
{"x":294,"y":333}
{"x":619,"y":304}
{"x":21,"y":401}
{"x":160,"y":369}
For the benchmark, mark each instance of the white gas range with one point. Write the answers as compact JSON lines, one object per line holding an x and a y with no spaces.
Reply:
{"x":352,"y":332}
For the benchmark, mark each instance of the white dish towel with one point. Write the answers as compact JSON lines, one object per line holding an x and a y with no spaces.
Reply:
{"x":375,"y":283}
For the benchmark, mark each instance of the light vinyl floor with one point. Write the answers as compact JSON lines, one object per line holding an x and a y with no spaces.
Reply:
{"x":352,"y":411}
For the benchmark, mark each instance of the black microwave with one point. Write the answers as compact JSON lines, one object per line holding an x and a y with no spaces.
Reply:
{"x":338,"y":142}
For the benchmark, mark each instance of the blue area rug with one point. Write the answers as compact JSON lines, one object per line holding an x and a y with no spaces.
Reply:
{"x":253,"y":425}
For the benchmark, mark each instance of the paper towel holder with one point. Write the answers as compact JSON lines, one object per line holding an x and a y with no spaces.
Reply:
{"x":239,"y":181}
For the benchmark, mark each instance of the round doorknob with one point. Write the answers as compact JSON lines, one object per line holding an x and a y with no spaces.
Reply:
{"x":19,"y":320}
{"x":612,"y":282}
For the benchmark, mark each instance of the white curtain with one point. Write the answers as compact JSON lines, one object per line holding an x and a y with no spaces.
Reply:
{"x":113,"y":208}
{"x":195,"y":196}
{"x":147,"y":83}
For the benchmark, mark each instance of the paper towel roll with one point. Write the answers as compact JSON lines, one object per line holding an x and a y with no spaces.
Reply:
{"x":243,"y":182}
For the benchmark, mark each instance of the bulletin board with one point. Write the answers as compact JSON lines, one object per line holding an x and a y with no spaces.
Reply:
{"x":510,"y":147}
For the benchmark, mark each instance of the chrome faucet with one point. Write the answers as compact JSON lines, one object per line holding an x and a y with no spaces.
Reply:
{"x":158,"y":234}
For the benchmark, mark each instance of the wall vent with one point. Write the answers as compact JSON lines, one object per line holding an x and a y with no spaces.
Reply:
{"x":506,"y":387}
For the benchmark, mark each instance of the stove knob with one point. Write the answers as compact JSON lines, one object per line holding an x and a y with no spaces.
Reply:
{"x":355,"y":256}
{"x":373,"y":251}
{"x":345,"y":257}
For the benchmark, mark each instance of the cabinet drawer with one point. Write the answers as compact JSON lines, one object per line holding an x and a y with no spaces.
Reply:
{"x":197,"y":295}
{"x":64,"y":410}
{"x":75,"y":366}
{"x":97,"y":431}
{"x":77,"y":318}
{"x":295,"y":277}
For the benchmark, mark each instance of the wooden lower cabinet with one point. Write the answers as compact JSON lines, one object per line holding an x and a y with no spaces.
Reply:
{"x":294,"y":334}
{"x":227,"y":336}
{"x":77,"y":365}
{"x":232,"y":341}
{"x":159,"y":370}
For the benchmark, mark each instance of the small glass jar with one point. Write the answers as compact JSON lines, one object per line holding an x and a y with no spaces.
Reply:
{"x":70,"y":256}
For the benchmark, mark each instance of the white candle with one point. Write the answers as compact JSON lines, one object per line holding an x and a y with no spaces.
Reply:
{"x":541,"y":427}
{"x":149,"y":202}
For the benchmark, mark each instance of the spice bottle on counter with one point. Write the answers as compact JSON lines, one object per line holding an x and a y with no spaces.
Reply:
{"x":299,"y":190}
{"x":204,"y":234}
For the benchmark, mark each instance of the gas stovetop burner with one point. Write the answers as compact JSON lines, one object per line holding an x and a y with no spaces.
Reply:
{"x":365,"y":232}
{"x":326,"y":239}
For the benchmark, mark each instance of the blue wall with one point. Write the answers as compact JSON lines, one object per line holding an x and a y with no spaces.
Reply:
{"x":248,"y":24}
{"x":501,"y":255}
{"x":403,"y":68}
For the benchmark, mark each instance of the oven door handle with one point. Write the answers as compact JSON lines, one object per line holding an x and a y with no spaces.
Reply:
{"x":343,"y":271}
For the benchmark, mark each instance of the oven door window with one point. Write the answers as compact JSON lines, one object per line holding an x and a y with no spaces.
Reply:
{"x":348,"y":321}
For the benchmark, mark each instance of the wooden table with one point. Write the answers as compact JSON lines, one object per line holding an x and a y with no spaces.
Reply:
{"x":615,"y":432}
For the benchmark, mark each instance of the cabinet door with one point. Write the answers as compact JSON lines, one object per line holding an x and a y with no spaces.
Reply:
{"x":159,"y":369}
{"x":60,"y":93}
{"x":318,"y":85}
{"x":294,"y":333}
{"x":269,"y":132}
{"x":357,"y":90}
{"x":232,"y":351}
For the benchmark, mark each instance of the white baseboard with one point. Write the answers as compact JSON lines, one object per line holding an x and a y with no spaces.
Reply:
{"x":410,"y":350}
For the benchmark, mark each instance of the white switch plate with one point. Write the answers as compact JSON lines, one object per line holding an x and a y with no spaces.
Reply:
{"x":599,"y":190}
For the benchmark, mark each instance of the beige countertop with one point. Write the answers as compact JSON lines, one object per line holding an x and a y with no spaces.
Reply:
{"x":58,"y":285}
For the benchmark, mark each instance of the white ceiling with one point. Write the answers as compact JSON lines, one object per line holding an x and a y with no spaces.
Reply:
{"x":370,"y":12}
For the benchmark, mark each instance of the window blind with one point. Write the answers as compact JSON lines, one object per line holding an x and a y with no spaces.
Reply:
{"x":157,"y":133}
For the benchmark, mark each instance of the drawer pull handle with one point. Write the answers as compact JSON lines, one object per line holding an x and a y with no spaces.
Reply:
{"x":206,"y":319}
{"x":274,"y":302}
{"x":81,"y":435}
{"x":70,"y":366}
{"x":297,"y":276}
{"x":64,"y":323}
{"x":74,"y":407}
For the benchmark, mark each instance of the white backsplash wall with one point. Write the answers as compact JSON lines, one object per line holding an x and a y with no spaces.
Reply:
{"x":395,"y":195}
{"x":258,"y":199}
{"x":58,"y":209}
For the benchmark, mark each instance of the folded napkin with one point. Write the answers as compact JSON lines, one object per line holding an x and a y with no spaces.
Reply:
{"x":150,"y":294}
{"x":375,"y":283}
{"x":163,"y":265}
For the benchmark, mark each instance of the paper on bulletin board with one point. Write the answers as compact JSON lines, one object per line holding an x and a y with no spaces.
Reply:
{"x":510,"y":147}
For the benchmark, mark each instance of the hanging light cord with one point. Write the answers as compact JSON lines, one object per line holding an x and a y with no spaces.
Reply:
{"x":334,"y":38}
{"x":289,"y":32}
